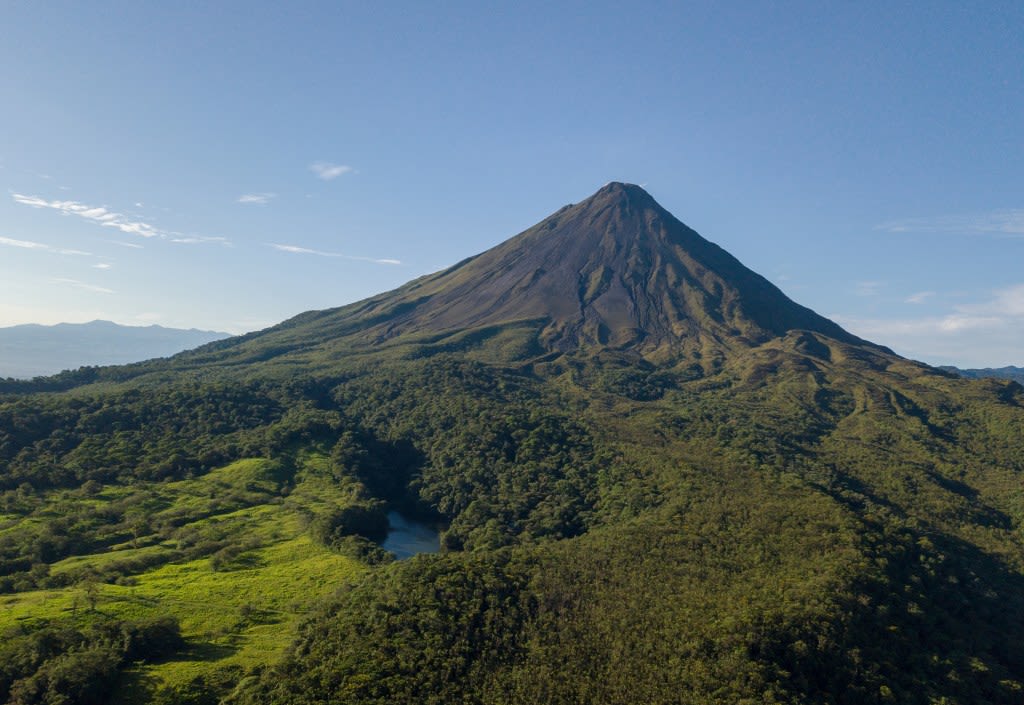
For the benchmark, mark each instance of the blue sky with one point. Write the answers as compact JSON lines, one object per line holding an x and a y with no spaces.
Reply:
{"x":228,"y":165}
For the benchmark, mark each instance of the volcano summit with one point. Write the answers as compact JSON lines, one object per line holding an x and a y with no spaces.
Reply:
{"x":614,"y":272}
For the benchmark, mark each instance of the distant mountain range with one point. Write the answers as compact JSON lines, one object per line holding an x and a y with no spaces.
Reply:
{"x":34,"y":350}
{"x":1008,"y":372}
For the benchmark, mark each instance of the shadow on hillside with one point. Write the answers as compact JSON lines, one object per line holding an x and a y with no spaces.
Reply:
{"x":934,"y":624}
{"x":141,"y":685}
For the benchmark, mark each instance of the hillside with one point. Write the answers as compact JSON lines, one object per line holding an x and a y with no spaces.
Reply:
{"x":28,"y":351}
{"x":659,"y":480}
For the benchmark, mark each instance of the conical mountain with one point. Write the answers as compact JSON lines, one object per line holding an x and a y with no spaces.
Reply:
{"x":618,"y":270}
{"x":614,"y":271}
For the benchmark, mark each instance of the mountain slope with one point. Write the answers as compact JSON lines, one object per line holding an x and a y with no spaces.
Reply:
{"x":659,"y":480}
{"x":33,"y":350}
{"x":613,"y":272}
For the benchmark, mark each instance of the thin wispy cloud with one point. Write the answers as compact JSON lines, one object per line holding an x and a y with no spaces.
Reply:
{"x":868,"y":288}
{"x":200,"y":240}
{"x":110,"y":219}
{"x":1006,"y":223}
{"x":84,"y":286}
{"x":132,"y":245}
{"x":982,"y":334}
{"x":97,"y":214}
{"x":301,"y":250}
{"x":103,"y":265}
{"x":1005,"y":302}
{"x":328,"y":171}
{"x":42,"y":247}
{"x":1005,"y":307}
{"x":920,"y":297}
{"x":259,"y":199}
{"x":295,"y":249}
{"x":919,"y":330}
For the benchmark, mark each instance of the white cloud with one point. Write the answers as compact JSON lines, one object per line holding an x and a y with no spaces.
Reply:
{"x":295,"y":249}
{"x":132,"y":245}
{"x":920,"y":297}
{"x":985,"y":334}
{"x":328,"y":171}
{"x":257,"y":198}
{"x":83,"y":285}
{"x":1008,"y":222}
{"x":959,"y":322}
{"x":136,"y":228}
{"x":97,"y":214}
{"x":1005,"y":302}
{"x":301,"y":250}
{"x":103,"y":265}
{"x":950,"y":324}
{"x":201,"y":240}
{"x":110,"y":219}
{"x":29,"y":245}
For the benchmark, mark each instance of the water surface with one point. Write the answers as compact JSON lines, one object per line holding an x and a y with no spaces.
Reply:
{"x":407,"y":537}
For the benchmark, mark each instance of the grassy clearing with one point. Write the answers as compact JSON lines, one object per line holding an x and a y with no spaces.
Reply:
{"x":238,"y":605}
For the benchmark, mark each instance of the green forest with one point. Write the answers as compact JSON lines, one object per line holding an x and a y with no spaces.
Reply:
{"x":821,"y":532}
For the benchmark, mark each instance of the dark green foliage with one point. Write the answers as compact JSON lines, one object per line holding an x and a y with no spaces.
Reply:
{"x":800,"y":542}
{"x":157,"y":434}
{"x":63,"y":665}
{"x":452,"y":623}
{"x":769,"y":533}
{"x":201,"y":690}
{"x":84,"y":676}
{"x":491,"y":458}
{"x":366,"y":520}
{"x":383,"y":467}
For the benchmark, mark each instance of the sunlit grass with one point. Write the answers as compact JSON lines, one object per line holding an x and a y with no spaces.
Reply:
{"x":240,"y":611}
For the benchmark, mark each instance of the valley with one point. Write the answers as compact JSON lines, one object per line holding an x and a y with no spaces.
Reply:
{"x":657,"y":479}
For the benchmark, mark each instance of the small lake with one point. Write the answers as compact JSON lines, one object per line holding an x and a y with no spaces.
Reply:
{"x":407,"y":537}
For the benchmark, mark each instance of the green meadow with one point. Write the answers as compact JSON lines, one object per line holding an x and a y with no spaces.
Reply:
{"x":228,"y":555}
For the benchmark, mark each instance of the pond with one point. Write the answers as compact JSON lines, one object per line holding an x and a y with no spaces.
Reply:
{"x":407,"y":537}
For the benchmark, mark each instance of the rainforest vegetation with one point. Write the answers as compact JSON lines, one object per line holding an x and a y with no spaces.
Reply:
{"x":792,"y":543}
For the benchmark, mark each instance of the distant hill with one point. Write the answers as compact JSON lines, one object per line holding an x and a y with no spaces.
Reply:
{"x":1008,"y":372}
{"x":34,"y":350}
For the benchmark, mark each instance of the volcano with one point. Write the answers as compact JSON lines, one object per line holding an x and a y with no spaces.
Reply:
{"x":614,"y":272}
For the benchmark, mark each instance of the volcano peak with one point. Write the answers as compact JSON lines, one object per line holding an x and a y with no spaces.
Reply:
{"x":615,"y":270}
